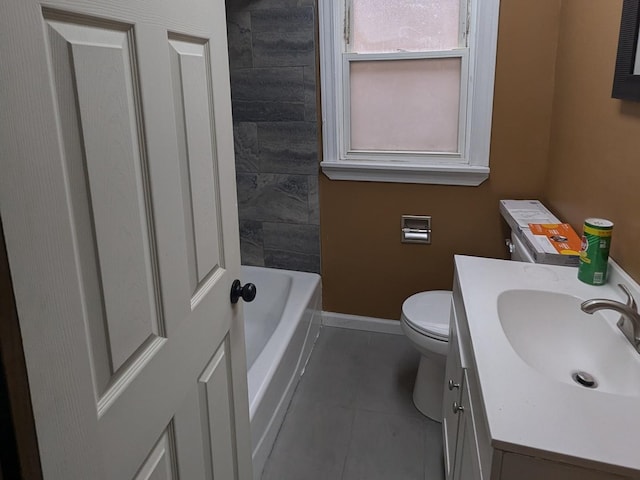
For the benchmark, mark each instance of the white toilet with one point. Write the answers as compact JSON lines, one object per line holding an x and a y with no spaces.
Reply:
{"x":425,"y":315}
{"x":425,"y":322}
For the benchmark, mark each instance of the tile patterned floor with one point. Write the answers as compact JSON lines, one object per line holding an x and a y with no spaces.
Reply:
{"x":352,"y":416}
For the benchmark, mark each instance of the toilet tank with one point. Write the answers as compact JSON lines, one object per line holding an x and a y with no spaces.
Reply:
{"x":518,"y":214}
{"x":519,"y":252}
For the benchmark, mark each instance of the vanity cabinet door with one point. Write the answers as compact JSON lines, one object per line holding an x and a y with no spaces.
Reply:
{"x":452,"y":393}
{"x":467,"y":457}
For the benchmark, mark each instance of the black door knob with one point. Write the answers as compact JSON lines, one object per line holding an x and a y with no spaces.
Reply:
{"x":247,"y":292}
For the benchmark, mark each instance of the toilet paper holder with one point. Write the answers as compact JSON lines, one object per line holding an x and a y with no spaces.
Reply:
{"x":415,"y":229}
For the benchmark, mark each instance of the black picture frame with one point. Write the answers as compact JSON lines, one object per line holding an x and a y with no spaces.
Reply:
{"x":626,"y":85}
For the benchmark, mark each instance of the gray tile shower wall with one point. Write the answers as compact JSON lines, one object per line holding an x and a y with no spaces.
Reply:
{"x":272,"y":57}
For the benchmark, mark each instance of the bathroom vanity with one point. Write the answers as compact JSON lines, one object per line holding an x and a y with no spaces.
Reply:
{"x":513,"y":406}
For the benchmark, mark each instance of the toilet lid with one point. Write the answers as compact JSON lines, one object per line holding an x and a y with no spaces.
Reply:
{"x":428,"y":313}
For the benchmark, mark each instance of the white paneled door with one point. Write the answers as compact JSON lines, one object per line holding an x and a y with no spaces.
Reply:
{"x":117,"y":196}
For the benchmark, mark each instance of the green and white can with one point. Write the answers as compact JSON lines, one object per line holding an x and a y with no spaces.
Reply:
{"x":594,"y":252}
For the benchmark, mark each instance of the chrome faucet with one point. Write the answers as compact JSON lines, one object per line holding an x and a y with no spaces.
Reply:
{"x":629,"y":321}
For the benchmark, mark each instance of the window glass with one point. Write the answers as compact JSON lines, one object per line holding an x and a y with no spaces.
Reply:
{"x":405,"y":105}
{"x":380,"y":26}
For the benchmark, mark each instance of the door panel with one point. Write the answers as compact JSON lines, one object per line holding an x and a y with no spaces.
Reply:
{"x":216,"y":406}
{"x":161,"y":462}
{"x":119,"y":207}
{"x":190,"y":83}
{"x":108,"y":187}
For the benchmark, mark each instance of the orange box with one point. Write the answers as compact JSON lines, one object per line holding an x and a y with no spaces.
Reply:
{"x":557,"y":238}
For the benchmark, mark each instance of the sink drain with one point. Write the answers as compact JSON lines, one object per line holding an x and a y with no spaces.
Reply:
{"x":585,"y":379}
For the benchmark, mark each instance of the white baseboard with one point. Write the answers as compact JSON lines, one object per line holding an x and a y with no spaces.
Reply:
{"x":357,"y":322}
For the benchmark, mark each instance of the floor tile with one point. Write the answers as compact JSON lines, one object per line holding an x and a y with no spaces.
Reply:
{"x":385,"y":447}
{"x":312,"y":443}
{"x":433,"y":452}
{"x":333,"y":373}
{"x":387,"y":375}
{"x":352,"y":415}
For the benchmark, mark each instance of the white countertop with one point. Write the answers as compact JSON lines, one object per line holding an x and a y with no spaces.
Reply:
{"x":528,"y":412}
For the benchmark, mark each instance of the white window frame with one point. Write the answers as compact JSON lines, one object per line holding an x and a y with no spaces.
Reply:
{"x":470,"y":165}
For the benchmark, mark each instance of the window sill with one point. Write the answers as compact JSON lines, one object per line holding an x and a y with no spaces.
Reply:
{"x":464,"y":175}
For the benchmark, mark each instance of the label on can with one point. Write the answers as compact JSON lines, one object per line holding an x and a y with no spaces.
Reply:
{"x":594,"y":251}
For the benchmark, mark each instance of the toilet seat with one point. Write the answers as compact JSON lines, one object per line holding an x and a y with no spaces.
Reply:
{"x":428,"y":313}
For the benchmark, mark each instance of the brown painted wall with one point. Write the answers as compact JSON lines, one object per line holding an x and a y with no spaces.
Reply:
{"x":365,"y":268}
{"x":595,"y":144}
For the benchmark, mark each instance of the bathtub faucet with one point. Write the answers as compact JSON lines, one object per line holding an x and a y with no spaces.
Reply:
{"x":629,"y":321}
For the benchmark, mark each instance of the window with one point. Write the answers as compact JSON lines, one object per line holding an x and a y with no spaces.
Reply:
{"x":407,"y":89}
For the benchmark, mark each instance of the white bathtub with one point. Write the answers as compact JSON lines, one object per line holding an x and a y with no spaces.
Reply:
{"x":281,"y":326}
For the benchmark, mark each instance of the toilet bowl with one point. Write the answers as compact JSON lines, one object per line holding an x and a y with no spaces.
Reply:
{"x":425,"y":315}
{"x":425,"y":322}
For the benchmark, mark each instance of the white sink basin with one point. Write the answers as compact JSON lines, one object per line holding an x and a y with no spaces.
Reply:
{"x":526,"y":336}
{"x":552,"y":335}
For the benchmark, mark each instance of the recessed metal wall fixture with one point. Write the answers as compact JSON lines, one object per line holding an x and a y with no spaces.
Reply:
{"x":416,"y":229}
